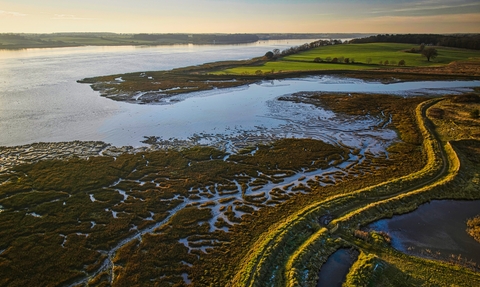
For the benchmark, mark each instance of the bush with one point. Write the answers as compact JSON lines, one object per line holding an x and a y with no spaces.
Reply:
{"x":317,"y":60}
{"x":401,"y":63}
{"x":335,"y":60}
{"x":475,"y":114}
{"x":386,"y":62}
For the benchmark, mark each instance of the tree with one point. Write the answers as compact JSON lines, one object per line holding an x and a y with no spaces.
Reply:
{"x":346,"y":60}
{"x":328,"y":59}
{"x":269,"y":54}
{"x":276,"y":52}
{"x":401,"y":63}
{"x":386,"y":62}
{"x":369,"y":60}
{"x":430,"y":53}
{"x":317,"y":60}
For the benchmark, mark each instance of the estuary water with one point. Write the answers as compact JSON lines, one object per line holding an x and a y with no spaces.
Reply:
{"x":40,"y":100}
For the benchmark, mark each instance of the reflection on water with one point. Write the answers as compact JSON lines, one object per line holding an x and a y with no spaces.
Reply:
{"x":335,"y":270}
{"x":436,"y":230}
{"x":41,"y":101}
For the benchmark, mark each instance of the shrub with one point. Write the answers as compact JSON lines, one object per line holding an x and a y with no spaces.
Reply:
{"x":401,"y":63}
{"x":475,"y":114}
{"x":317,"y":60}
{"x":386,"y":62}
{"x":347,"y":60}
{"x":369,"y":60}
{"x":335,"y":60}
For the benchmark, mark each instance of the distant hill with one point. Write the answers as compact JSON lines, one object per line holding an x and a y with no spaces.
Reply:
{"x":466,"y":41}
{"x":65,"y":39}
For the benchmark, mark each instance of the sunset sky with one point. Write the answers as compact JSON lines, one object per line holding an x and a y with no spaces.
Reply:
{"x":240,"y":16}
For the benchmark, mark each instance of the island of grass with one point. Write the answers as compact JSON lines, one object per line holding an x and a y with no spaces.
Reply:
{"x":387,"y":62}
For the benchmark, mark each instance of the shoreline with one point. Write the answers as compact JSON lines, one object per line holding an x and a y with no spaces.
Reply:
{"x":130,"y":87}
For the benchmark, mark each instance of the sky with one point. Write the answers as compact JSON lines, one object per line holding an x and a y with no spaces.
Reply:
{"x":240,"y":16}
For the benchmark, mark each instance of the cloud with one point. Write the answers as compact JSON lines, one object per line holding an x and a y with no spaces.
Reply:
{"x":428,"y":7}
{"x":454,"y":18}
{"x":11,"y":14}
{"x":453,"y":23}
{"x":68,"y":17}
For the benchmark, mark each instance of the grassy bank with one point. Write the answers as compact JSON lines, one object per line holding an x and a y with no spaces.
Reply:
{"x":298,"y":253}
{"x":360,"y":57}
{"x":363,"y":63}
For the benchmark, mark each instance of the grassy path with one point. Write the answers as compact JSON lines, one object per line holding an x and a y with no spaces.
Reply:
{"x":277,"y":257}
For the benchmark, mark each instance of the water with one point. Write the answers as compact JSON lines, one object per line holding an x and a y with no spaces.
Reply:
{"x":40,"y":100}
{"x":436,"y":230}
{"x":335,"y":270}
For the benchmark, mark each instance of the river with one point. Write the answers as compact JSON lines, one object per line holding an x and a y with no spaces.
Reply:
{"x":40,"y":100}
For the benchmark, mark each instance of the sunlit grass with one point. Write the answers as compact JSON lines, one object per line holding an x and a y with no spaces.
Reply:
{"x":364,"y":56}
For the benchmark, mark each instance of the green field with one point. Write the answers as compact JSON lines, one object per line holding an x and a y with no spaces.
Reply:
{"x":365,"y":56}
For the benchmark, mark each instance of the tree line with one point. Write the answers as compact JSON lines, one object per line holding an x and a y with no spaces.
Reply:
{"x":199,"y":38}
{"x":466,"y":41}
{"x":276,"y":53}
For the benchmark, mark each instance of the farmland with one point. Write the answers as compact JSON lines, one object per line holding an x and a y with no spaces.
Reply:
{"x":360,"y":57}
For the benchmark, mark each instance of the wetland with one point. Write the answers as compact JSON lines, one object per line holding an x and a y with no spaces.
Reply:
{"x":230,"y":187}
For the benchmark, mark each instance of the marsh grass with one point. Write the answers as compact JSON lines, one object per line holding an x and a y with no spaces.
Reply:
{"x":60,"y":193}
{"x":63,"y":212}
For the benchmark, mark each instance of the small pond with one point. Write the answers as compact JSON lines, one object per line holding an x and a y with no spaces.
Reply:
{"x":435,"y":230}
{"x":335,"y":270}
